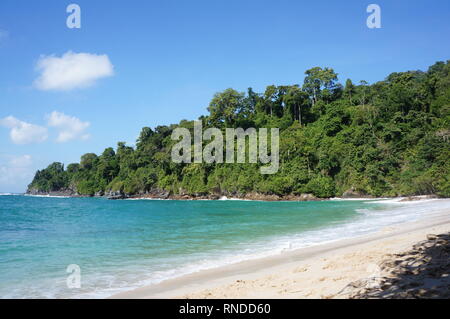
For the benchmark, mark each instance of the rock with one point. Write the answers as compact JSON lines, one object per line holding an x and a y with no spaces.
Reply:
{"x":116,"y":195}
{"x":308,"y":197}
{"x":61,"y":193}
{"x":300,"y":198}
{"x":431,"y":237}
{"x":99,"y":194}
{"x":263,"y":197}
{"x":352,"y":193}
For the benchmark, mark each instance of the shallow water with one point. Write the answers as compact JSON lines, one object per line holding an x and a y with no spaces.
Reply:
{"x":121,"y":245}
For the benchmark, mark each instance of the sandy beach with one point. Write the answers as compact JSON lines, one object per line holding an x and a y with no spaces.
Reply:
{"x":321,"y":271}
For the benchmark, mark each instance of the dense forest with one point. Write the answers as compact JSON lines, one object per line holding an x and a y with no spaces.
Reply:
{"x":386,"y":139}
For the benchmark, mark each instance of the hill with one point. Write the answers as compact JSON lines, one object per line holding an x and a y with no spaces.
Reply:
{"x":386,"y":139}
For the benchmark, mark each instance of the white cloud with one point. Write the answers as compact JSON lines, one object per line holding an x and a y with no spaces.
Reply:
{"x":24,"y":133}
{"x":15,"y":173}
{"x":72,"y":71}
{"x":70,"y":127}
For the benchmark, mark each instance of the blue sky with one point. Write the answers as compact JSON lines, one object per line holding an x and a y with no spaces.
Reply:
{"x":161,"y":61}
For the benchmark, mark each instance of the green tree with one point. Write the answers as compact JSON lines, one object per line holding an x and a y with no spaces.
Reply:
{"x":320,"y":83}
{"x":225,"y":106}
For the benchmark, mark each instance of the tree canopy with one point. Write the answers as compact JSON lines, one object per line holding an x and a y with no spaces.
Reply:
{"x":385,"y":139}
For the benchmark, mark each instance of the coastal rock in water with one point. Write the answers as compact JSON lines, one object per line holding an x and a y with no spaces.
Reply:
{"x":308,"y":197}
{"x":300,"y":198}
{"x":159,"y":193}
{"x":99,"y":194}
{"x":352,"y":193}
{"x":259,"y":196}
{"x":116,"y":195}
{"x":60,"y":193}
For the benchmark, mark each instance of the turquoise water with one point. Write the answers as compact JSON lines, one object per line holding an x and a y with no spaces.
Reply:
{"x":125,"y":244}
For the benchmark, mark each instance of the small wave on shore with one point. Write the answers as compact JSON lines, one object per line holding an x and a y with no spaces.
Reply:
{"x":46,"y":196}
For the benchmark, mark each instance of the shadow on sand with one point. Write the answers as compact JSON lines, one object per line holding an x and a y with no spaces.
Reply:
{"x":422,"y":272}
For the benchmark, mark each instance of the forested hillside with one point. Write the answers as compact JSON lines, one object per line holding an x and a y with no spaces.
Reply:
{"x":385,"y":139}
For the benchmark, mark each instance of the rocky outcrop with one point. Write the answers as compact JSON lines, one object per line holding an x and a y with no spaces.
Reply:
{"x":353,"y":193}
{"x":60,"y":193}
{"x":272,"y":197}
{"x":115,"y":195}
{"x":302,"y":198}
{"x":159,"y":194}
{"x":163,"y":194}
{"x":260,"y":196}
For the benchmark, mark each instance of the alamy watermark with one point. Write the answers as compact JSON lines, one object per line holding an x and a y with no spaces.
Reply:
{"x":213,"y":152}
{"x":374,"y":19}
{"x":73,"y":281}
{"x":257,"y":146}
{"x":74,"y":19}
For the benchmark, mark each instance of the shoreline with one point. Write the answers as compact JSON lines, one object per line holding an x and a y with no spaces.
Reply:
{"x":245,"y":197}
{"x":311,"y":272}
{"x":163,"y":195}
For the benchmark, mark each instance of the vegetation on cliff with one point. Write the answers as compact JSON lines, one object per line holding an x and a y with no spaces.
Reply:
{"x":385,"y":139}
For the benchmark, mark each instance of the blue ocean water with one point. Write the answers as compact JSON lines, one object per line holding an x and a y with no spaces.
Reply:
{"x":120,"y":245}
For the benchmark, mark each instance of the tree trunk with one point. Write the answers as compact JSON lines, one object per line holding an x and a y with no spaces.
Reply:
{"x":299,"y":115}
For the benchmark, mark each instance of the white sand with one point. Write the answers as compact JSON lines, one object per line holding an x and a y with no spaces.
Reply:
{"x":315,"y":272}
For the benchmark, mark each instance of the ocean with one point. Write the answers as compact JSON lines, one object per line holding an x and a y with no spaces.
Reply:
{"x":121,"y":245}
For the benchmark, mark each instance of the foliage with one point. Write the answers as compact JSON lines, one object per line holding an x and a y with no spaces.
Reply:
{"x":385,"y":139}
